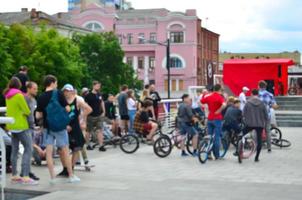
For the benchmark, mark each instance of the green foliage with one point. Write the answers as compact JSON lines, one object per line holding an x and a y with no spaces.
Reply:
{"x":77,"y":61}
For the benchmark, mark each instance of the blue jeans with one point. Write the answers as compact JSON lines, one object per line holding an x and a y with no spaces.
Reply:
{"x":131,"y":114}
{"x":60,"y":138}
{"x":215,"y":128}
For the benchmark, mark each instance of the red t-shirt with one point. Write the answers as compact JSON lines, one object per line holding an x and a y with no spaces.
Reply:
{"x":214,"y":101}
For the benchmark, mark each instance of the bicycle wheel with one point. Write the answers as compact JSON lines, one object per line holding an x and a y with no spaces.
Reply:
{"x":240,"y":151}
{"x":281,"y":143}
{"x":189,"y":144}
{"x":203,"y":152}
{"x":224,"y":145}
{"x":129,"y":144}
{"x":248,"y":148}
{"x":162,"y":147}
{"x":276,"y":133}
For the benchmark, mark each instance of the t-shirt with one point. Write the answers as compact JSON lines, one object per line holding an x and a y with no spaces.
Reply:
{"x":32,"y":104}
{"x":122,"y":103}
{"x":23,"y":78}
{"x":214,"y":102}
{"x":43,"y":101}
{"x":242,"y":99}
{"x":185,"y":113}
{"x":110,"y":110}
{"x":94,"y":101}
{"x":155,"y":98}
{"x":268,"y":99}
{"x":131,"y":104}
{"x":144,"y":117}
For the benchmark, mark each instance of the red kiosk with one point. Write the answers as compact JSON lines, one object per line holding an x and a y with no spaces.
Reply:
{"x":238,"y":73}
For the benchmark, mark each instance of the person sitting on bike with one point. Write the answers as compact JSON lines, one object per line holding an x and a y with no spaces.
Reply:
{"x":233,"y":118}
{"x":185,"y":123}
{"x":255,"y":117}
{"x":142,"y":122}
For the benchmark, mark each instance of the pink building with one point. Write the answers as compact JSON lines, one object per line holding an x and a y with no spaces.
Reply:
{"x":194,"y":50}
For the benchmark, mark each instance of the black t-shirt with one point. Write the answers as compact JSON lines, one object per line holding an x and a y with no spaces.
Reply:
{"x":155,"y":98}
{"x":43,"y":101}
{"x":23,"y":78}
{"x":94,"y":101}
{"x":110,"y":110}
{"x":144,"y":117}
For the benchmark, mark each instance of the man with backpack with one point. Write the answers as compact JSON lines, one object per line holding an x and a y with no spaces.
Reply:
{"x":53,"y":108}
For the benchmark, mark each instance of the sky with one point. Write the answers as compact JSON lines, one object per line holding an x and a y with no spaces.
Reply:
{"x":243,"y":25}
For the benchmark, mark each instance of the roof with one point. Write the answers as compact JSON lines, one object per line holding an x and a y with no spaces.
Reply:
{"x":259,"y":61}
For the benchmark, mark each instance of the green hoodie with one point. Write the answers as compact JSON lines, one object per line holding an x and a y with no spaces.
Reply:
{"x":18,"y":109}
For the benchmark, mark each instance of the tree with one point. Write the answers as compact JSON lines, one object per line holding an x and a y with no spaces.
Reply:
{"x":103,"y":56}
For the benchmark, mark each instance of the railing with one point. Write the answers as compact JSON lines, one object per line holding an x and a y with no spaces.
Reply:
{"x":168,"y":113}
{"x":3,"y":120}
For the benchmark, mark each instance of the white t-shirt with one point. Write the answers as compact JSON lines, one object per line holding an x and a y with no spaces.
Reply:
{"x":196,"y":101}
{"x":242,"y":99}
{"x":131,"y":104}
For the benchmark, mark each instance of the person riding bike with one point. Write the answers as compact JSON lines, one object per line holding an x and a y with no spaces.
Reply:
{"x":233,"y":118}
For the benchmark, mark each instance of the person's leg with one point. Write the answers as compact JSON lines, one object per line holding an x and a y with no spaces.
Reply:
{"x":37,"y":157}
{"x":217,"y":132}
{"x":259,"y":142}
{"x":26,"y":140}
{"x":8,"y":152}
{"x":84,"y":155}
{"x":268,"y":135}
{"x":152,"y":131}
{"x":49,"y":161}
{"x":67,"y":161}
{"x":75,"y":157}
{"x":14,"y":155}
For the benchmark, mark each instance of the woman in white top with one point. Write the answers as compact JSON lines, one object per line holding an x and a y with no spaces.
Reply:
{"x":132,"y":107}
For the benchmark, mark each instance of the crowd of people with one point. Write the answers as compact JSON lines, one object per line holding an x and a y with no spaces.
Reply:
{"x":64,"y":122}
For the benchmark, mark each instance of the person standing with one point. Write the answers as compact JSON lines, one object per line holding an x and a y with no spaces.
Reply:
{"x":111,"y":114}
{"x":185,"y":123}
{"x":18,"y":109}
{"x":255,"y":118}
{"x":23,"y":77}
{"x":32,"y":91}
{"x":155,"y":98}
{"x":216,"y":104}
{"x":52,"y":98}
{"x":242,"y":97}
{"x":132,"y":107}
{"x":269,"y":101}
{"x":95,"y":120}
{"x":123,"y":110}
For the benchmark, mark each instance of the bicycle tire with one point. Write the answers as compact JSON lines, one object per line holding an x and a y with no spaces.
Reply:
{"x":240,"y":151}
{"x":130,"y":141}
{"x":283,"y":143}
{"x":248,"y":148}
{"x":224,"y":145}
{"x":202,"y":152}
{"x":162,"y":147}
{"x":276,"y":133}
{"x":189,"y":144}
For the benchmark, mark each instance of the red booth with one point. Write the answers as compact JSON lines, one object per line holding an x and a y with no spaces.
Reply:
{"x":238,"y":73}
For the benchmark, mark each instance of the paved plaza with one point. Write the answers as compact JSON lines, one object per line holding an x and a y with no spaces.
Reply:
{"x":142,"y":175}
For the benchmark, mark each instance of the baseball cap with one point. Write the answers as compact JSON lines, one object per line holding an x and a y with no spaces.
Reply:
{"x":68,"y":87}
{"x":245,"y":89}
{"x":85,"y":89}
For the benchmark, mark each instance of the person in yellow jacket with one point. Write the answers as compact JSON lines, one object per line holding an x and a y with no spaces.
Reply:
{"x":18,"y":109}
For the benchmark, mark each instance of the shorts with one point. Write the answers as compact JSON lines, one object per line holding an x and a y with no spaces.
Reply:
{"x":125,"y":117}
{"x":147,"y":127}
{"x":95,"y":123}
{"x":60,"y":138}
{"x":184,"y":129}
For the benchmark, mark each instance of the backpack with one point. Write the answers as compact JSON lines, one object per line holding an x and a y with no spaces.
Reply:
{"x":57,"y":117}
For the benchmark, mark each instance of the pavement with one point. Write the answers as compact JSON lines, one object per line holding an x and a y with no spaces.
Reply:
{"x":142,"y":175}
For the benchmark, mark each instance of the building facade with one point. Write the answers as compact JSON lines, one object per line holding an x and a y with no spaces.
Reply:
{"x":143,"y":34}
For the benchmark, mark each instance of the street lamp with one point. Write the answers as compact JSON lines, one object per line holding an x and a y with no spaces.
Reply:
{"x":167,"y":45}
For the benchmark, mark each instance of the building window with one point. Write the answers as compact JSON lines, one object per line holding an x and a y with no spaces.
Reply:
{"x":175,"y":85}
{"x":130,"y":38}
{"x":177,"y":37}
{"x":120,"y":39}
{"x":152,"y":62}
{"x":141,"y":62}
{"x":176,"y":63}
{"x":152,"y":37}
{"x":130,"y":61}
{"x":94,"y":26}
{"x":141,"y":38}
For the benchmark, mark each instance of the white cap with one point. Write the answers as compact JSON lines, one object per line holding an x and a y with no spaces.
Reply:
{"x":68,"y":87}
{"x":245,"y":89}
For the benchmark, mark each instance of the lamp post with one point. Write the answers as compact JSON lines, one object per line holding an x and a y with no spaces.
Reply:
{"x":167,"y":45}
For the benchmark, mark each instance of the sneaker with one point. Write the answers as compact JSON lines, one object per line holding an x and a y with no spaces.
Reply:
{"x":74,"y":179}
{"x":63,"y":173}
{"x":256,"y":159}
{"x":33,"y":176}
{"x":102,"y":148}
{"x":195,"y":154}
{"x":235,"y":154}
{"x":89,"y":147}
{"x":184,"y":154}
{"x":16,"y":179}
{"x":269,"y":150}
{"x":29,"y":181}
{"x":53,"y":181}
{"x":78,"y":163}
{"x":86,"y":162}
